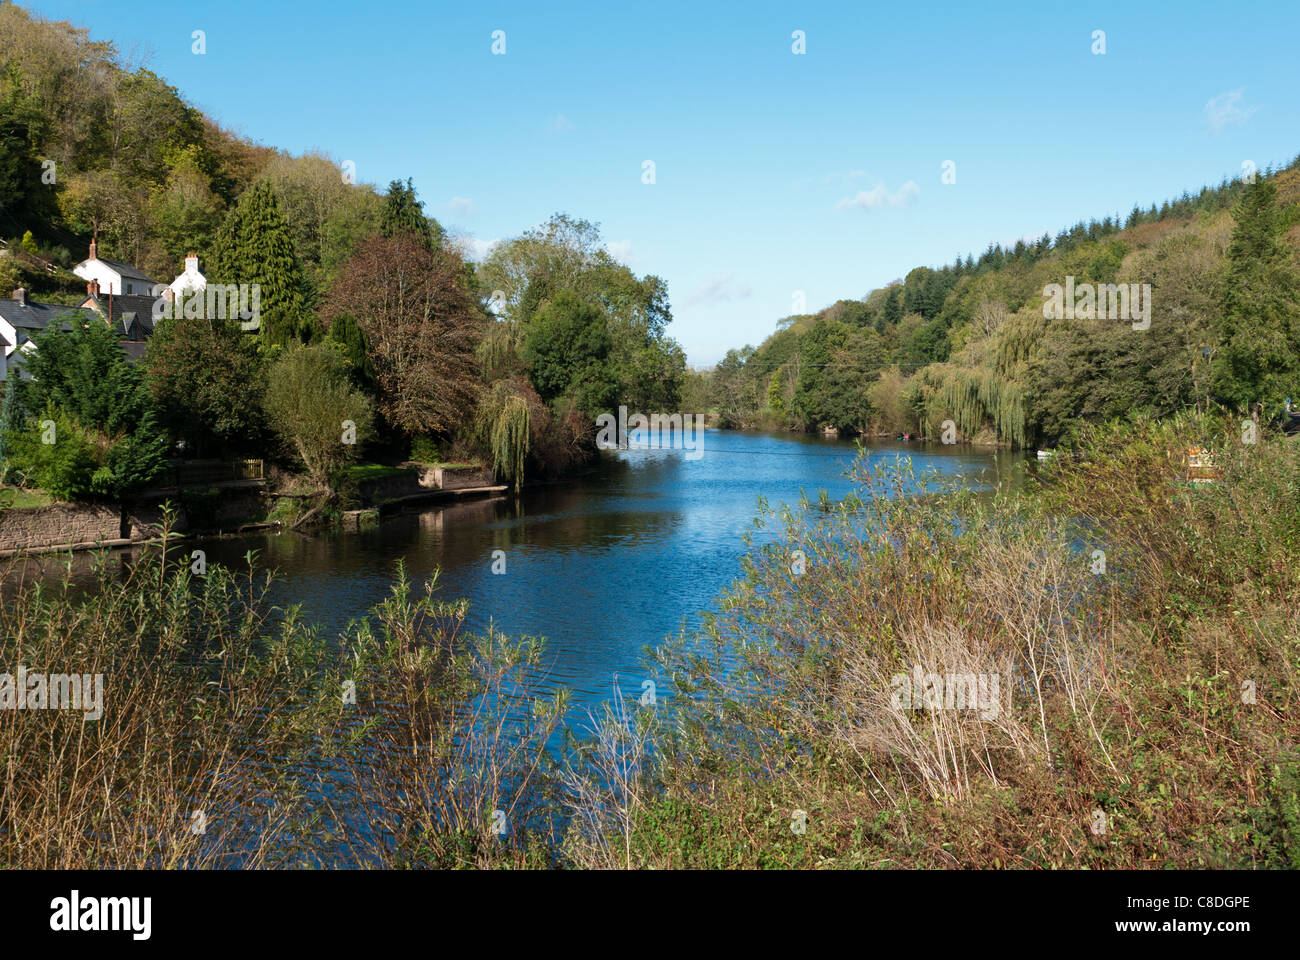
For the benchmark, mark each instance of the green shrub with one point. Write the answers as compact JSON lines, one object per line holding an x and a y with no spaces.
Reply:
{"x":311,"y":405}
{"x":64,"y":468}
{"x":425,"y":450}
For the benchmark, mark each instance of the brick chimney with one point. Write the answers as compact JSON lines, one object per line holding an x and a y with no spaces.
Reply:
{"x":92,"y":288}
{"x":93,"y":246}
{"x":21,"y":296}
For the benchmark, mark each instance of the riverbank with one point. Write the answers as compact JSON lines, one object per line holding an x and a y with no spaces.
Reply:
{"x":1131,"y":712}
{"x":41,"y":525}
{"x":72,"y":527}
{"x":986,"y":437}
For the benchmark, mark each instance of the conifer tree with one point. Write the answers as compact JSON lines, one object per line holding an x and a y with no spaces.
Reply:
{"x":403,"y":213}
{"x":893,"y":311}
{"x":1258,"y":360}
{"x":254,"y":246}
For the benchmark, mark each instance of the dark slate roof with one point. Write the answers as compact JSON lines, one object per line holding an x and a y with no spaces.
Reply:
{"x":33,"y":317}
{"x":125,"y":269}
{"x":132,"y":316}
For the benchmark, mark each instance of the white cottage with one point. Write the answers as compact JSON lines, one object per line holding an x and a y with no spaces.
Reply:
{"x":191,"y":281}
{"x":111,"y":277}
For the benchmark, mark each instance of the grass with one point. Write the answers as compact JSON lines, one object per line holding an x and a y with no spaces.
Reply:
{"x":361,"y":472}
{"x":18,"y":498}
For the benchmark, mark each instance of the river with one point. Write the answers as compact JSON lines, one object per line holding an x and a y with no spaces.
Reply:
{"x":600,"y":566}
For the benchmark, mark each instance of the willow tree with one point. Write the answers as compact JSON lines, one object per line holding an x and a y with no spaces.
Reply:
{"x":983,"y":387}
{"x":975,"y":399}
{"x":505,"y":424}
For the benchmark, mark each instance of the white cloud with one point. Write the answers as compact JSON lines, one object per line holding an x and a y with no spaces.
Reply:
{"x":478,"y":250}
{"x":462,"y":205}
{"x":560,"y":124}
{"x":878,"y":196}
{"x":718,"y":288}
{"x":621,"y":250}
{"x":1227,"y":110}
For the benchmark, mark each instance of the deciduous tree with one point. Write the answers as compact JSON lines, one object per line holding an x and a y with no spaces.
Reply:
{"x":422,"y":327}
{"x":207,"y":383}
{"x":313,"y":408}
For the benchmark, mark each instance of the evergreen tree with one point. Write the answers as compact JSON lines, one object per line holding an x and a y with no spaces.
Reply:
{"x":106,"y":440}
{"x":254,"y":246}
{"x":403,"y":213}
{"x":1258,"y":360}
{"x":893,"y":311}
{"x":346,"y":331}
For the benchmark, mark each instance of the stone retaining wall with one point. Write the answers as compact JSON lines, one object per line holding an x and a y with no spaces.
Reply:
{"x":421,"y":478}
{"x":59,"y":523}
{"x":66,"y":524}
{"x":403,"y":484}
{"x":460,"y":478}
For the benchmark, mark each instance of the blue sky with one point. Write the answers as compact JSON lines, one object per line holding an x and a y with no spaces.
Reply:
{"x":774,"y":172}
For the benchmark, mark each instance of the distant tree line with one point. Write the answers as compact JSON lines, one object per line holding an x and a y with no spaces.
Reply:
{"x":968,"y":342}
